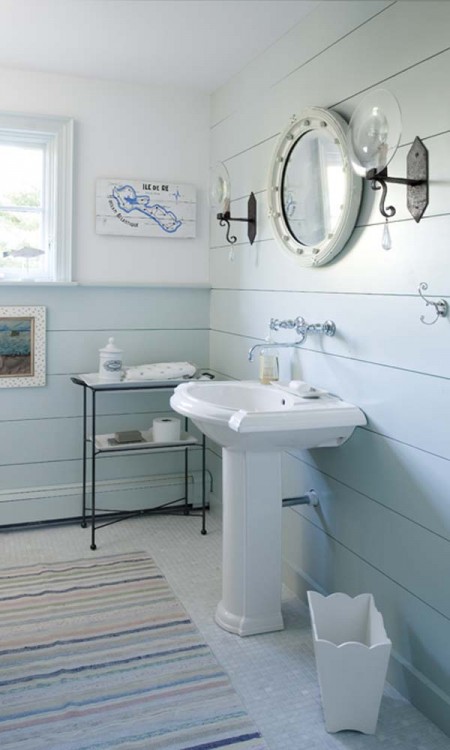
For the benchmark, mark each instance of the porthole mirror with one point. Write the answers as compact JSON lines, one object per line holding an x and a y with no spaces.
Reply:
{"x":314,"y":195}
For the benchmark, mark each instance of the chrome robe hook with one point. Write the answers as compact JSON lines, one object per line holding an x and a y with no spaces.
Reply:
{"x":441,"y":306}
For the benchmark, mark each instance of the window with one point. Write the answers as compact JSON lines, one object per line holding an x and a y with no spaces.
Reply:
{"x":35,"y":198}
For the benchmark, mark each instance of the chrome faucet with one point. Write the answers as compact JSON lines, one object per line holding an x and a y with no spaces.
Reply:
{"x":301,"y":327}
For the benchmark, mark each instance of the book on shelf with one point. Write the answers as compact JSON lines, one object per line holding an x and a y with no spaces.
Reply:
{"x":127,"y":436}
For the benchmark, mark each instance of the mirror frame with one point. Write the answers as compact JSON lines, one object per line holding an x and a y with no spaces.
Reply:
{"x":313,"y":118}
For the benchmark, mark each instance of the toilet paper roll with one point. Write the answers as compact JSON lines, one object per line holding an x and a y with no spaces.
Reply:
{"x":166,"y":430}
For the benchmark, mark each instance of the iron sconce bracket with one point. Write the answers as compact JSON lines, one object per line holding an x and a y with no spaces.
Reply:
{"x":225,"y":219}
{"x":416,"y":181}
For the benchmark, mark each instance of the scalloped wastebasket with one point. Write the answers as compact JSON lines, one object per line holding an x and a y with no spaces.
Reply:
{"x":352,"y":654}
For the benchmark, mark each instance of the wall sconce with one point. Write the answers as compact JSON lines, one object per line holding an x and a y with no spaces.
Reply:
{"x":374,"y":134}
{"x":221,"y":198}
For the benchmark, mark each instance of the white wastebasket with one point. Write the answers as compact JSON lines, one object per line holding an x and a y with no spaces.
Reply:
{"x":352,"y":654}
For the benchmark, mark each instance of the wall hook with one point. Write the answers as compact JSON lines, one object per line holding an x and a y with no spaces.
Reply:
{"x":440,"y":306}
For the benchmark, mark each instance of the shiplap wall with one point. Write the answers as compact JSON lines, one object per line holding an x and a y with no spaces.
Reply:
{"x":384,"y":519}
{"x":41,"y":428}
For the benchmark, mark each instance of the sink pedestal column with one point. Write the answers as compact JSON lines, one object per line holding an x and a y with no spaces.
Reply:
{"x":252,"y":505}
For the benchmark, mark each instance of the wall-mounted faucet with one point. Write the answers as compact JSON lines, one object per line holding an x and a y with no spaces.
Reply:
{"x":301,"y":327}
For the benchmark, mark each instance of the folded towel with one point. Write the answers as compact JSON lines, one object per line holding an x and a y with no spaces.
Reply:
{"x":161,"y":371}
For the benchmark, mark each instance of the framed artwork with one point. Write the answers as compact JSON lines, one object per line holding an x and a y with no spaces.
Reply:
{"x":22,"y":346}
{"x":145,"y":208}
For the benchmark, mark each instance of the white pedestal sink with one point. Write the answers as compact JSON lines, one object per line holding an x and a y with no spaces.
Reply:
{"x":254,"y":423}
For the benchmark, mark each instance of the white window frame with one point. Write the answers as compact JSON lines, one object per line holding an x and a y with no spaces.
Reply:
{"x":56,"y":133}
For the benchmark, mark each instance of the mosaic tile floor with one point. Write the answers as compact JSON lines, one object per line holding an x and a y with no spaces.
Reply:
{"x":273,"y":673}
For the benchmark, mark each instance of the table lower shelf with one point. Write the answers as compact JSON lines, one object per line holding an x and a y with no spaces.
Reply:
{"x":106,"y":443}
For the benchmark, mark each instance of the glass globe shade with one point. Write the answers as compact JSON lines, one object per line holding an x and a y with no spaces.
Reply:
{"x":220,"y":188}
{"x":374,"y":132}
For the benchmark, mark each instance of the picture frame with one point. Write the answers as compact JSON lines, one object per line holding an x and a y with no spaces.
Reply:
{"x":22,"y":346}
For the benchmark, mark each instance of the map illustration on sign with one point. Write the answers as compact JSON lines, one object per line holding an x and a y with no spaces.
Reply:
{"x":145,"y":208}
{"x":128,"y":200}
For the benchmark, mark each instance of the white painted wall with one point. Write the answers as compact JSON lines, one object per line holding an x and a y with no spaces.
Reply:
{"x":131,"y":131}
{"x":384,"y":520}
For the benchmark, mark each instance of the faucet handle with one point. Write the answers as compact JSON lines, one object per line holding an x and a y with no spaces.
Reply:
{"x":302,"y":327}
{"x":299,"y":324}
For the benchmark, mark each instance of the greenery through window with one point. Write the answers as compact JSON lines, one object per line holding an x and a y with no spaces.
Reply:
{"x":35,"y":198}
{"x":23,"y":228}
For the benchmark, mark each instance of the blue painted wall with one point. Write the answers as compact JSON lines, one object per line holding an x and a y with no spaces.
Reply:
{"x":41,"y":429}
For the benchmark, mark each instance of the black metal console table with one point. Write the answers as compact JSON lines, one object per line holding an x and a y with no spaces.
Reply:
{"x":101,"y":443}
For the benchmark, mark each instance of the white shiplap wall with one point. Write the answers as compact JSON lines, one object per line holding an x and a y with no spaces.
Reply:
{"x":384,"y":519}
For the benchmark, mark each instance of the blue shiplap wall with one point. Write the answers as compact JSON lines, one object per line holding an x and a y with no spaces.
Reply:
{"x":384,"y":519}
{"x":40,"y":428}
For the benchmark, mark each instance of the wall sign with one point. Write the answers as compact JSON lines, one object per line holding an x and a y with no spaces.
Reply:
{"x":145,"y":208}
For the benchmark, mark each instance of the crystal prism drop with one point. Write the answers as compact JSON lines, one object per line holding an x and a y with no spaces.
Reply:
{"x":386,"y":243}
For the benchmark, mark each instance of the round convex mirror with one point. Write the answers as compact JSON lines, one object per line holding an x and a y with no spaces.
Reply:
{"x":314,"y":195}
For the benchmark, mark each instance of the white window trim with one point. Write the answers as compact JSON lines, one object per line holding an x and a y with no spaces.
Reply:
{"x":58,"y":131}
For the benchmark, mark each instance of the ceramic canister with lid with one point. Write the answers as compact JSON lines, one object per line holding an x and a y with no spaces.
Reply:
{"x":110,"y":364}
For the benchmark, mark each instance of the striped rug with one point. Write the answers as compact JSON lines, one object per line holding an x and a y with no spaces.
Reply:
{"x":98,"y":654}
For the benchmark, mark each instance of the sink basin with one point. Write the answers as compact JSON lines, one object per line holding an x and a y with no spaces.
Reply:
{"x":254,"y":423}
{"x":249,"y":415}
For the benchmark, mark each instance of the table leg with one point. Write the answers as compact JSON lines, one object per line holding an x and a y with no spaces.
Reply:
{"x":83,"y":518}
{"x":93,"y":545}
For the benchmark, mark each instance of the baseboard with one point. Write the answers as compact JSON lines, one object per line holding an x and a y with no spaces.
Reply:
{"x":402,"y":675}
{"x":35,"y":504}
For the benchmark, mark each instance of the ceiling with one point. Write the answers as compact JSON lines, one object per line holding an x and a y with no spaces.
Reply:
{"x":199,"y":44}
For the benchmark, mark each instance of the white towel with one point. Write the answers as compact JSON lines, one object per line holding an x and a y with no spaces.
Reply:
{"x":161,"y":371}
